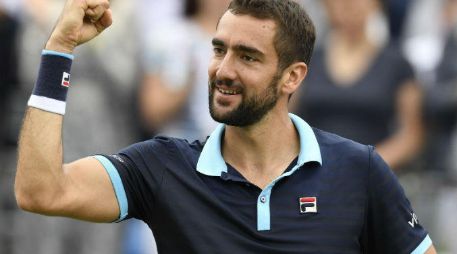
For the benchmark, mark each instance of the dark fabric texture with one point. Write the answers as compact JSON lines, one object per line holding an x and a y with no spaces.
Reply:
{"x":50,"y":77}
{"x":361,"y":206}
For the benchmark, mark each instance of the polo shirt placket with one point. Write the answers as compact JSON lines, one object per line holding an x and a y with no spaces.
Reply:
{"x":211,"y":163}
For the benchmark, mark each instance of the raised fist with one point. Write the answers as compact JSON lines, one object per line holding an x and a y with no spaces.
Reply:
{"x":79,"y":22}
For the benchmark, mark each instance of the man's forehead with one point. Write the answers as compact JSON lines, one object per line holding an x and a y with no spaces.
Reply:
{"x":245,"y":28}
{"x":252,"y":22}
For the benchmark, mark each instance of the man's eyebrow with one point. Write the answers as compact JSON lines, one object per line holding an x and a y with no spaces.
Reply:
{"x":217,"y":42}
{"x":248,"y":49}
{"x":238,"y":47}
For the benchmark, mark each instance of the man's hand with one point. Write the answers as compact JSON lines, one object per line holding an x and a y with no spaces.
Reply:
{"x":79,"y":22}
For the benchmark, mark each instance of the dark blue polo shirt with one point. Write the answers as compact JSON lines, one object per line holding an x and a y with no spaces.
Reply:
{"x":337,"y":196}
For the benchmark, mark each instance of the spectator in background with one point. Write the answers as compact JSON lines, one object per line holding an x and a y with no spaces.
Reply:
{"x":104,"y":77}
{"x":439,"y":176}
{"x":8,"y":85}
{"x":441,"y":97}
{"x":397,"y":11}
{"x":360,"y":87}
{"x":173,"y":99}
{"x":8,"y":68}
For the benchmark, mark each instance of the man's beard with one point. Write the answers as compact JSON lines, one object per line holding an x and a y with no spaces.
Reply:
{"x":251,"y":109}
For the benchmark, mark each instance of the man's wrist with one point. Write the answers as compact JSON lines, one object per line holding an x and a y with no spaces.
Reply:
{"x":51,"y":88}
{"x":54,"y":44}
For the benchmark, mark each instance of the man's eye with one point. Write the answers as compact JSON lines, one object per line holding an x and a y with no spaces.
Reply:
{"x":248,"y":58}
{"x":218,"y":51}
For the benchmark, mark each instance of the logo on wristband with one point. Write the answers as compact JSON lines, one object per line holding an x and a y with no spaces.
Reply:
{"x":66,"y":79}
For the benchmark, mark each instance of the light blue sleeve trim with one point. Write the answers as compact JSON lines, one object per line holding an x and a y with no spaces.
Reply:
{"x":423,"y":247}
{"x":117,"y":185}
{"x":55,"y":53}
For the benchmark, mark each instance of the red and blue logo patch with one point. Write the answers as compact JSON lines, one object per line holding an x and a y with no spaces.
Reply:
{"x":66,"y":79}
{"x":308,"y":204}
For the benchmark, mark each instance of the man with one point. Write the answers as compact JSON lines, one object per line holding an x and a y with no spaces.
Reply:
{"x":263,"y":182}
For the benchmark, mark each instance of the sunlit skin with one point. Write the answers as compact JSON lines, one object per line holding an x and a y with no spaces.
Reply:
{"x":245,"y":66}
{"x":245,"y":61}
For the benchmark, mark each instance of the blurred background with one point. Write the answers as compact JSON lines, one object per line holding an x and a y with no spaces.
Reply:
{"x":384,"y":73}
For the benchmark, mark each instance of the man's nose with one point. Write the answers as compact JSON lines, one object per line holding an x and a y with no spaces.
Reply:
{"x":226,"y":70}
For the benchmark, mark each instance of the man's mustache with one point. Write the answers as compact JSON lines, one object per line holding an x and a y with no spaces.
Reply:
{"x":224,"y":82}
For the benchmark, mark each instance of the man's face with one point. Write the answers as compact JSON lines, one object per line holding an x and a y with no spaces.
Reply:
{"x":243,"y":73}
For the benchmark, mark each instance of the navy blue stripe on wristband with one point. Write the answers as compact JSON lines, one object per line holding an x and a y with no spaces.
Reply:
{"x":54,"y":76}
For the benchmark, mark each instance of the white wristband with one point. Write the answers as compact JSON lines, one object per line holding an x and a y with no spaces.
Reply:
{"x":47,"y":104}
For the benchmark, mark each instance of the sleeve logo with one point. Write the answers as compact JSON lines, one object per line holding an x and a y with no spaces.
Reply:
{"x":66,"y":79}
{"x":414,"y":220}
{"x":117,"y":157}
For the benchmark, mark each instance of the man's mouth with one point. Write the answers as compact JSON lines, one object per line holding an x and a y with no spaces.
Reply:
{"x":228,"y":91}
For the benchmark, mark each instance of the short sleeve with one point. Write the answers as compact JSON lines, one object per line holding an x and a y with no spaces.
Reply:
{"x":403,"y":70}
{"x":391,"y":224}
{"x":136,"y":173}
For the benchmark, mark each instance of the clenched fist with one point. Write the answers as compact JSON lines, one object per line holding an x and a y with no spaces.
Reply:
{"x":79,"y":22}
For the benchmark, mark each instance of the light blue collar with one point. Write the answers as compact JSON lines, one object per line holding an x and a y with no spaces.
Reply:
{"x":212,"y":163}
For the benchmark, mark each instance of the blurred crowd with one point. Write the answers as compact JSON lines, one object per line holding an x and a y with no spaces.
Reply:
{"x":384,"y":73}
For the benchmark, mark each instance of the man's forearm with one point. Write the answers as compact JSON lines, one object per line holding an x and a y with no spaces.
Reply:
{"x":40,"y":179}
{"x":39,"y":170}
{"x":81,"y":189}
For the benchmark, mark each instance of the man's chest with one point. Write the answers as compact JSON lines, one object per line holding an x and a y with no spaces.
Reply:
{"x":301,"y":211}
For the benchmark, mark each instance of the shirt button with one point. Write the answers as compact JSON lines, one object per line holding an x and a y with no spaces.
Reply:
{"x":263,"y":199}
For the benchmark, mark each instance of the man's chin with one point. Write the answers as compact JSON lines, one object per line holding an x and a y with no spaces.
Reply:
{"x":220,"y":117}
{"x":232,"y":118}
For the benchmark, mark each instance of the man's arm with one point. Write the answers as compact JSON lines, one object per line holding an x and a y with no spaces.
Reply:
{"x":406,"y":142}
{"x":392,"y":225}
{"x":81,"y":189}
{"x":159,"y":103}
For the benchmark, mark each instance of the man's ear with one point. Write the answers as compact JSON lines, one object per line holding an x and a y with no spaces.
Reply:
{"x":293,"y":77}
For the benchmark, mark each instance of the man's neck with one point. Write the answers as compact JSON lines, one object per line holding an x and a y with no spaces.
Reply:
{"x":263,"y":151}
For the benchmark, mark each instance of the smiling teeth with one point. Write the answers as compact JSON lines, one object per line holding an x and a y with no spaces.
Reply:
{"x":231,"y":92}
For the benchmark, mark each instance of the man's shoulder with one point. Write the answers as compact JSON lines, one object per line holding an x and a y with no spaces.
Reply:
{"x":165,"y":144}
{"x":335,"y":146}
{"x":161,"y":153}
{"x":325,"y":138}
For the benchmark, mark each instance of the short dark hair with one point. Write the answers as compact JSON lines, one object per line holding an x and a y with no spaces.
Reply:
{"x":295,"y":35}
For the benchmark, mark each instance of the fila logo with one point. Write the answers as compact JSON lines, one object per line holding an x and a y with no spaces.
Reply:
{"x":117,"y":157}
{"x":308,"y":204}
{"x":414,"y":220}
{"x":66,"y":79}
